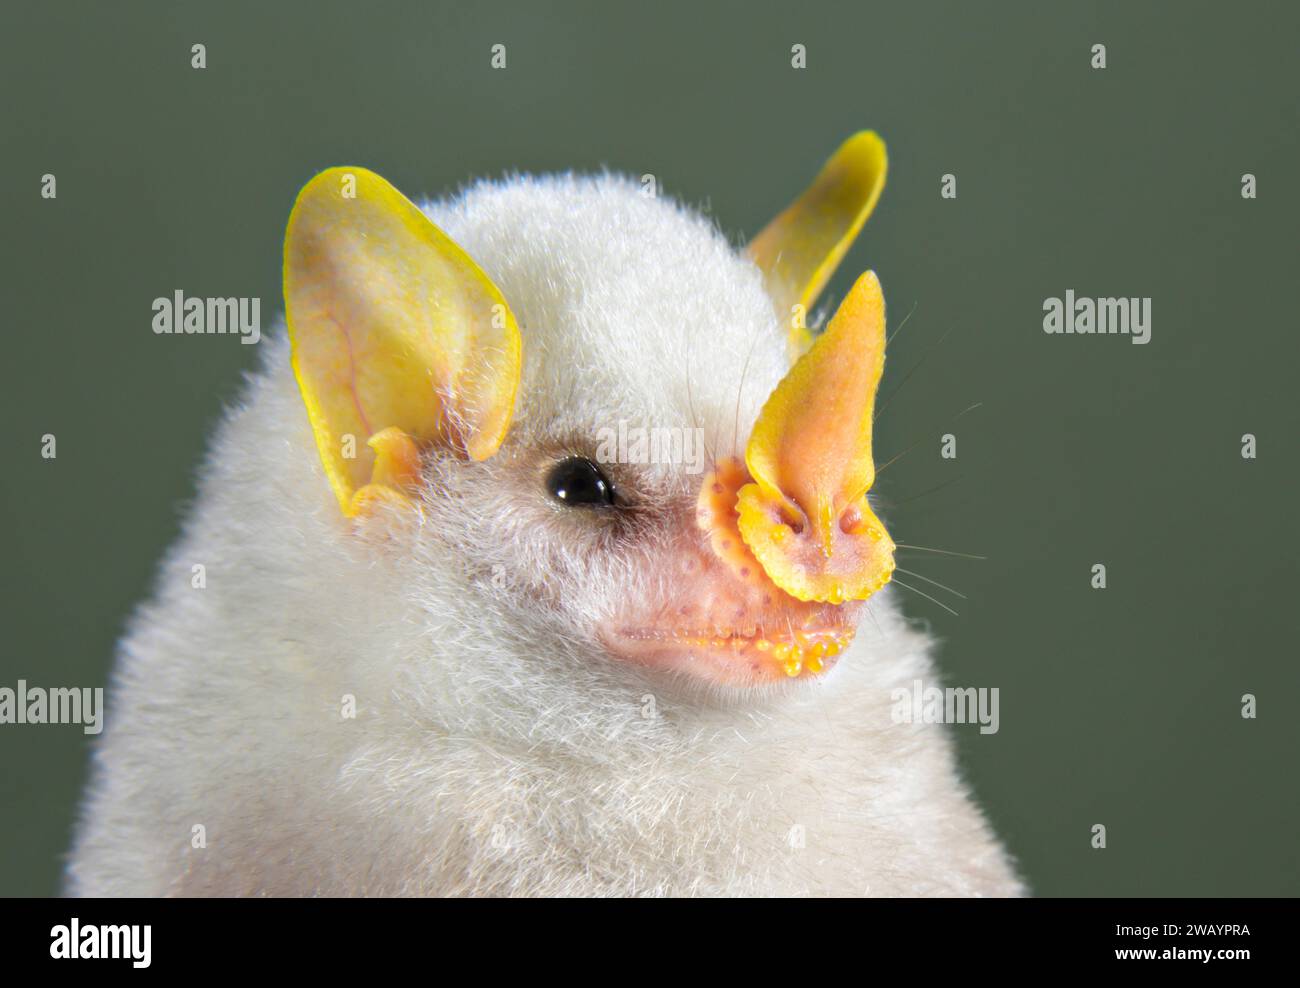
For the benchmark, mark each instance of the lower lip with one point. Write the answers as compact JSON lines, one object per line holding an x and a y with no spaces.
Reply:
{"x":737,"y":660}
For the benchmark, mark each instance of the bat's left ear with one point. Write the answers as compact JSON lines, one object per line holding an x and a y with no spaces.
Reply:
{"x":399,"y":339}
{"x":800,"y":249}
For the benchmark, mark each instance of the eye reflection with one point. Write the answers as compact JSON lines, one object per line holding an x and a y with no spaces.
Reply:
{"x":579,"y":483}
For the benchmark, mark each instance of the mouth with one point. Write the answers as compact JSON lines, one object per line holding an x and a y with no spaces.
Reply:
{"x":743,"y":656}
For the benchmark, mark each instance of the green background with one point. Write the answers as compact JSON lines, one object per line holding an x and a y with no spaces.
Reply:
{"x":1119,"y":707}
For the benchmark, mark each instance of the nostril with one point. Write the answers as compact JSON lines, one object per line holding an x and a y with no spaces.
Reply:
{"x":850,"y":520}
{"x":793,"y":520}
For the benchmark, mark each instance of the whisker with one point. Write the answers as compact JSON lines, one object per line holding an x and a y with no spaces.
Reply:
{"x":879,"y":630}
{"x":913,"y":497}
{"x":899,"y":328}
{"x":695,"y":418}
{"x":941,"y":586}
{"x":740,"y":392}
{"x":927,"y":597}
{"x":945,"y":552}
{"x":908,"y":376}
{"x":909,"y":449}
{"x":897,"y":456}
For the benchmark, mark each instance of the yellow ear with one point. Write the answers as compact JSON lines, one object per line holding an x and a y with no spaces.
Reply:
{"x":393,"y":327}
{"x":800,"y":249}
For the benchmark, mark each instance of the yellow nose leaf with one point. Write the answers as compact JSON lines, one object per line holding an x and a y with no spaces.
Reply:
{"x":805,"y":517}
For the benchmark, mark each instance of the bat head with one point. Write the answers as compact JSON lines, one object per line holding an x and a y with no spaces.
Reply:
{"x":612,"y":436}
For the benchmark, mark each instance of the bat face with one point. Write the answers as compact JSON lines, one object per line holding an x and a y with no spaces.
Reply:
{"x":615,"y":423}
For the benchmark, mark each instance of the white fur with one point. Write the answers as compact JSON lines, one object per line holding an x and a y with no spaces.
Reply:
{"x":497,"y":748}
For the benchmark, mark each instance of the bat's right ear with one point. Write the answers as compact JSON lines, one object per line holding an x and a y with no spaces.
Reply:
{"x":800,"y":249}
{"x":399,"y":339}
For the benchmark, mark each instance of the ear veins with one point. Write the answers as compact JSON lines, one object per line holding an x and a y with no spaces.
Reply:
{"x":392,"y":325}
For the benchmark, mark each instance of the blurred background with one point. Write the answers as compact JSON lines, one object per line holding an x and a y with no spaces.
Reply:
{"x":1118,"y":706}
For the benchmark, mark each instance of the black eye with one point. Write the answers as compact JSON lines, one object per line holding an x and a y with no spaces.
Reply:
{"x":577,"y":481}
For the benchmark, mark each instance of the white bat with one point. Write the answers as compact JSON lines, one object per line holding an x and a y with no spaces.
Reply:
{"x":539,"y":561}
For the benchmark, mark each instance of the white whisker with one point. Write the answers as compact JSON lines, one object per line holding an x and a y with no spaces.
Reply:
{"x":927,"y":597}
{"x":941,"y":586}
{"x":945,"y":552}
